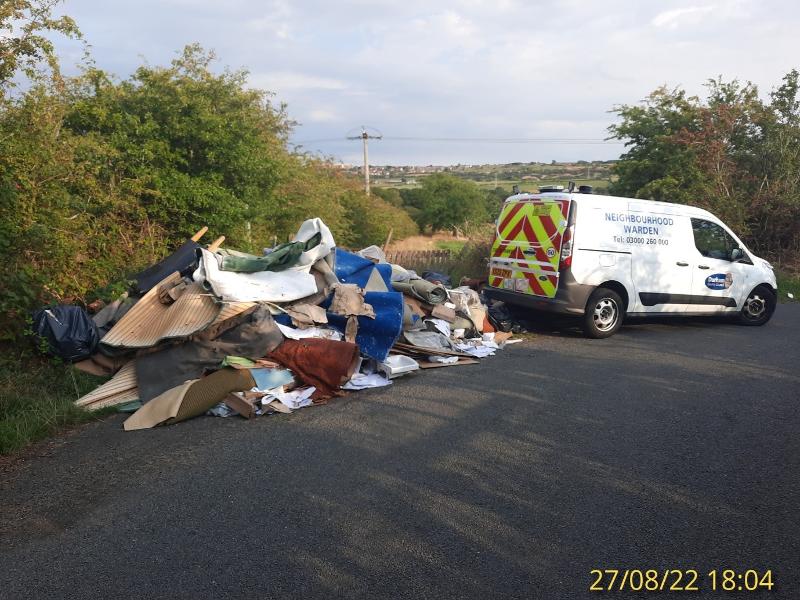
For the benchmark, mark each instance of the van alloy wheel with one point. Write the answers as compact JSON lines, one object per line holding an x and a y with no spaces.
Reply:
{"x":605,"y":314}
{"x":754,"y":306}
{"x":759,"y":306}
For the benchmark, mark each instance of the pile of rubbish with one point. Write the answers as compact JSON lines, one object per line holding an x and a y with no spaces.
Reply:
{"x":215,"y":331}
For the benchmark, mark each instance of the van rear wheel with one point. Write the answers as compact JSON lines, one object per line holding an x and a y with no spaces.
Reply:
{"x":758,"y":306}
{"x":604,"y":314}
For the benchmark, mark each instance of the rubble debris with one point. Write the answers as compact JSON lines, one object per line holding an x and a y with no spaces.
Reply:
{"x":251,"y":334}
{"x":396,"y":365}
{"x":439,"y":278}
{"x":459,"y":360}
{"x":217,"y":331}
{"x":444,"y":312}
{"x":305,"y":316}
{"x":119,"y":389}
{"x":108,"y":313}
{"x":243,"y":407}
{"x":501,"y":317}
{"x":266,"y":286}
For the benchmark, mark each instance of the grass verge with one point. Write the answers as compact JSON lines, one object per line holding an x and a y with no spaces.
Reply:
{"x":36,"y":400}
{"x":788,"y":282}
{"x":453,"y":245}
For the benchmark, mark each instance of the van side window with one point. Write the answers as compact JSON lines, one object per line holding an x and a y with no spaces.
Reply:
{"x":712,"y":240}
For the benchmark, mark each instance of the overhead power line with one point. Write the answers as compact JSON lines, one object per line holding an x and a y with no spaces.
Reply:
{"x":577,"y":141}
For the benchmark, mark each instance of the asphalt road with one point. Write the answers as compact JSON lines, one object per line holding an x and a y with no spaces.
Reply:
{"x":673,"y":445}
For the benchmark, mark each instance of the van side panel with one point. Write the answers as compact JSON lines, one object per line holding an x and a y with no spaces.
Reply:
{"x":527,"y":246}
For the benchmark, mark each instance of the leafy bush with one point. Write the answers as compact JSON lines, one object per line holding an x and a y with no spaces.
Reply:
{"x":371,"y":219}
{"x":472,"y":261}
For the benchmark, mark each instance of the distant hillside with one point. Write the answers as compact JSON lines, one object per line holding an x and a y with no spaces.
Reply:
{"x":528,"y":176}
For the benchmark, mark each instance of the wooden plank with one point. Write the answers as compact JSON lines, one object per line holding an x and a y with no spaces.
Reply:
{"x":424,"y":364}
{"x":216,"y":243}
{"x":240,"y":405}
{"x":196,"y":237}
{"x":400,"y":346}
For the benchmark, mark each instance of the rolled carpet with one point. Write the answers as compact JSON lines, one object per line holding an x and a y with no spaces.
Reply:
{"x":432,"y":293}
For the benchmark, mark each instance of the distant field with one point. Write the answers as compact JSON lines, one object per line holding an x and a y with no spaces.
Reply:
{"x":452,"y":245}
{"x":528,"y":176}
{"x":530,"y":185}
{"x":507,"y":184}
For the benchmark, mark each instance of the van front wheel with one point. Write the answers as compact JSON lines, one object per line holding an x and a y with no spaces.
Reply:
{"x":758,"y":307}
{"x":604,"y":314}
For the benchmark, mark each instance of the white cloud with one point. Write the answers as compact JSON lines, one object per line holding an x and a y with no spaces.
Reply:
{"x":321,"y":115}
{"x":285,"y":81}
{"x":672,"y":19}
{"x":458,"y":68}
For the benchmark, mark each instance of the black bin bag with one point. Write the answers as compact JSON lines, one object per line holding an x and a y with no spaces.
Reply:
{"x":68,"y":330}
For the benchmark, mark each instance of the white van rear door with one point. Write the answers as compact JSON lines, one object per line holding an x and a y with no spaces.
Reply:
{"x":527,"y":247}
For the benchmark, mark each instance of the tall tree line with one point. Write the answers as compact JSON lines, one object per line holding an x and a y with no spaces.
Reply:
{"x":732,"y":152}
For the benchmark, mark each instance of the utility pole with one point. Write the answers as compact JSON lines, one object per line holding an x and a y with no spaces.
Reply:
{"x":364,"y":137}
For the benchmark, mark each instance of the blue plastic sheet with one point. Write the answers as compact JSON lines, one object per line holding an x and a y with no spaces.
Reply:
{"x":352,"y":268}
{"x":376,"y":336}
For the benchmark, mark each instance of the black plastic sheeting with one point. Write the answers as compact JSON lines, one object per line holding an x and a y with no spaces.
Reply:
{"x":500,"y":317}
{"x":68,"y":330}
{"x":435,"y":277}
{"x":183,"y":260}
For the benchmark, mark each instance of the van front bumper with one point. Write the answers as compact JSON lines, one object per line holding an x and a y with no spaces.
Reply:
{"x":570,"y":299}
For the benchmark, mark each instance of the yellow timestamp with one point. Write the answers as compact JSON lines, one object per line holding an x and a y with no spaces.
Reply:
{"x":679,"y":580}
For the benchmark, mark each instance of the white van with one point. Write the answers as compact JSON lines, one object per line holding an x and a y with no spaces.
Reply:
{"x":604,"y":257}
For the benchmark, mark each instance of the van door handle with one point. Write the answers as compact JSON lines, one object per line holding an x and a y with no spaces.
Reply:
{"x":680,"y":263}
{"x":703,"y":267}
{"x":529,"y":251}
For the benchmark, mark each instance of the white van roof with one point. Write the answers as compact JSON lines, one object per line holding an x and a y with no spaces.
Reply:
{"x":617,"y":202}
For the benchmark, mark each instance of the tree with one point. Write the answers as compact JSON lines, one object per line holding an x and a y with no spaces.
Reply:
{"x":99,"y":178}
{"x":390,"y":195}
{"x":23,"y":43}
{"x":655,"y":165}
{"x":447,"y":202}
{"x":733,"y":153}
{"x":195,"y":148}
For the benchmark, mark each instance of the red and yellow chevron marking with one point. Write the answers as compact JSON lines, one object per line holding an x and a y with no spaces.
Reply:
{"x":537,"y":227}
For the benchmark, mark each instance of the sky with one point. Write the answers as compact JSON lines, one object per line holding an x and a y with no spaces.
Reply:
{"x":445,"y":82}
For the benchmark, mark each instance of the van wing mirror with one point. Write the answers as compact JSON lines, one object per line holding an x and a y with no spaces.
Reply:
{"x":737,"y":254}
